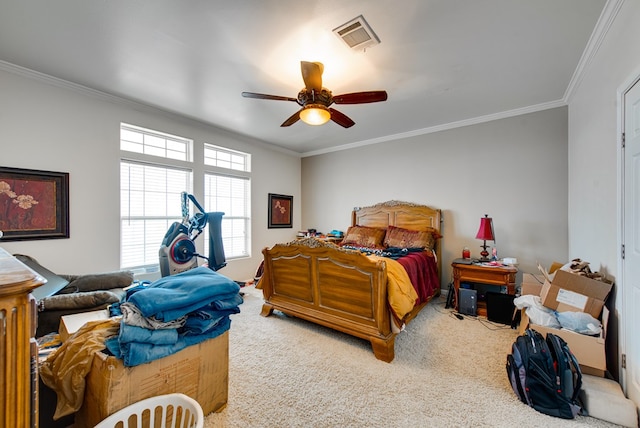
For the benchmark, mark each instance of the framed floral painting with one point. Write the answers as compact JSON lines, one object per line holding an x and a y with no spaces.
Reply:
{"x":280,"y":208}
{"x":33,"y":204}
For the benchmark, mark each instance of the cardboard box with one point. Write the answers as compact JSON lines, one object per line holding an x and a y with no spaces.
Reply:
{"x":200,"y":371}
{"x":573,"y":292}
{"x":532,"y":284}
{"x":554,"y":267}
{"x":69,"y":324}
{"x":589,"y":350}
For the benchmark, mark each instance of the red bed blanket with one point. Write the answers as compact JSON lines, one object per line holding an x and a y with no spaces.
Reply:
{"x":412,"y":280}
{"x":423,"y":273}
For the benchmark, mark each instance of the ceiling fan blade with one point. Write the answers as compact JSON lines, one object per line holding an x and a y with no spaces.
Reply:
{"x":360,"y":97}
{"x":293,"y":119}
{"x":312,"y":75}
{"x":340,"y":118}
{"x":267,"y":97}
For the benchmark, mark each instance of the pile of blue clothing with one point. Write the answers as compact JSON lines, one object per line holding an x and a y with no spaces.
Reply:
{"x":172,"y":313}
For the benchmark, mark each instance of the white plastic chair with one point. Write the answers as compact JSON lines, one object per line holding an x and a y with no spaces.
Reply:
{"x":178,"y":411}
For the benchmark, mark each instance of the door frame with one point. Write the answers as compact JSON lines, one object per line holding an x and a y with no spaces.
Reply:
{"x":627,"y":84}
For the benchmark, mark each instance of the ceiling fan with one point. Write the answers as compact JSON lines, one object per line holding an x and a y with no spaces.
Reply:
{"x":316,"y":100}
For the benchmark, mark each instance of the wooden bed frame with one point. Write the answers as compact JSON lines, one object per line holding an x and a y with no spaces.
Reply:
{"x":342,"y":289}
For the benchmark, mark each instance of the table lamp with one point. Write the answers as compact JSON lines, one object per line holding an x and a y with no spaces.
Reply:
{"x":485,"y":232}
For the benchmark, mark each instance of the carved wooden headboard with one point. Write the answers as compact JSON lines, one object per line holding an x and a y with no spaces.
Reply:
{"x":401,"y":214}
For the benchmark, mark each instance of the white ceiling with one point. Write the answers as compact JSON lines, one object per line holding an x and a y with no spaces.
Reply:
{"x":443,"y":62}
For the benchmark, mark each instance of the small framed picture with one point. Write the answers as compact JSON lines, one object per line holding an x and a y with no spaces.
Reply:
{"x":33,"y":204}
{"x":280,"y":211}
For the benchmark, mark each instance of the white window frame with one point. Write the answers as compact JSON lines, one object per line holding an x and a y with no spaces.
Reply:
{"x":148,"y":227}
{"x":236,"y":223}
{"x":155,"y":144}
{"x":169,"y":151}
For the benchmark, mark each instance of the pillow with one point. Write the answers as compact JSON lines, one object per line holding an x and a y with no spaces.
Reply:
{"x":364,"y":237}
{"x":76,"y":301}
{"x":405,"y":238}
{"x":97,"y":281}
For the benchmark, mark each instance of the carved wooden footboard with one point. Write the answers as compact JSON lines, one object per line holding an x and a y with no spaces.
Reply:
{"x":338,"y":288}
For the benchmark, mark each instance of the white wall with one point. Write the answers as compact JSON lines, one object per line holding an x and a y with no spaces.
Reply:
{"x":513,"y":169}
{"x":594,"y":155}
{"x":593,"y":147}
{"x":50,"y":125}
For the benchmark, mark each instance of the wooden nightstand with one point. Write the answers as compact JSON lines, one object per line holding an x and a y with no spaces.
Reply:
{"x":501,"y":276}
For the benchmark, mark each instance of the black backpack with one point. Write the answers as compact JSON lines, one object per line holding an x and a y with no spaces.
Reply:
{"x":545,"y":375}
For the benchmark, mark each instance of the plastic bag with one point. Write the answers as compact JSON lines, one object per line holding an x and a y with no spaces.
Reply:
{"x":526,"y":301}
{"x":543,"y":316}
{"x":537,"y":313}
{"x":580,"y":322}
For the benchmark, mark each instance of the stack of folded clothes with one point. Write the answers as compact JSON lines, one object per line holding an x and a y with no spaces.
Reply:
{"x":172,"y":313}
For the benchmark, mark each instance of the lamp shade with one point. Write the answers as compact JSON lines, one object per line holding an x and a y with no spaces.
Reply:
{"x":485,"y":232}
{"x":315,"y":114}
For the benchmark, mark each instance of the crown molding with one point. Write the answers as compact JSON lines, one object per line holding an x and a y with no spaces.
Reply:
{"x":65,"y":84}
{"x":606,"y":19}
{"x":84,"y":90}
{"x":443,"y":127}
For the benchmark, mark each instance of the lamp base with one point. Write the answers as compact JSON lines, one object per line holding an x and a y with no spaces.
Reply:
{"x":484,"y":253}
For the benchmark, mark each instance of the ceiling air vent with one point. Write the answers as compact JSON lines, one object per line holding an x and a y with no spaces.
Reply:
{"x":357,"y":34}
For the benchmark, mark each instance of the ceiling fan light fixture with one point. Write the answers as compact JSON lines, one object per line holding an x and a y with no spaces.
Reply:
{"x":315,"y":114}
{"x":315,"y":99}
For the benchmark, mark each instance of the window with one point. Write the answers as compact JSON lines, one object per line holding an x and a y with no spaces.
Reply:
{"x":149,"y":204}
{"x":140,"y":140}
{"x":155,"y":169}
{"x":229,"y":193}
{"x":225,"y":158}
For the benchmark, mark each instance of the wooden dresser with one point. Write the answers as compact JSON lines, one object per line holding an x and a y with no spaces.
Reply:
{"x":18,"y":347}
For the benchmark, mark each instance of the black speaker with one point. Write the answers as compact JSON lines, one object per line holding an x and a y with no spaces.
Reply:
{"x":450,"y":295}
{"x":468,"y":303}
{"x":500,"y":307}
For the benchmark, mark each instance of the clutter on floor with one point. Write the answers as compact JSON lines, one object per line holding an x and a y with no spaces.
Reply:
{"x":166,"y":336}
{"x":569,"y":300}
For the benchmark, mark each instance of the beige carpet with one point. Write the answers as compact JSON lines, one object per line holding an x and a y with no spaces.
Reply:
{"x":286,"y":372}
